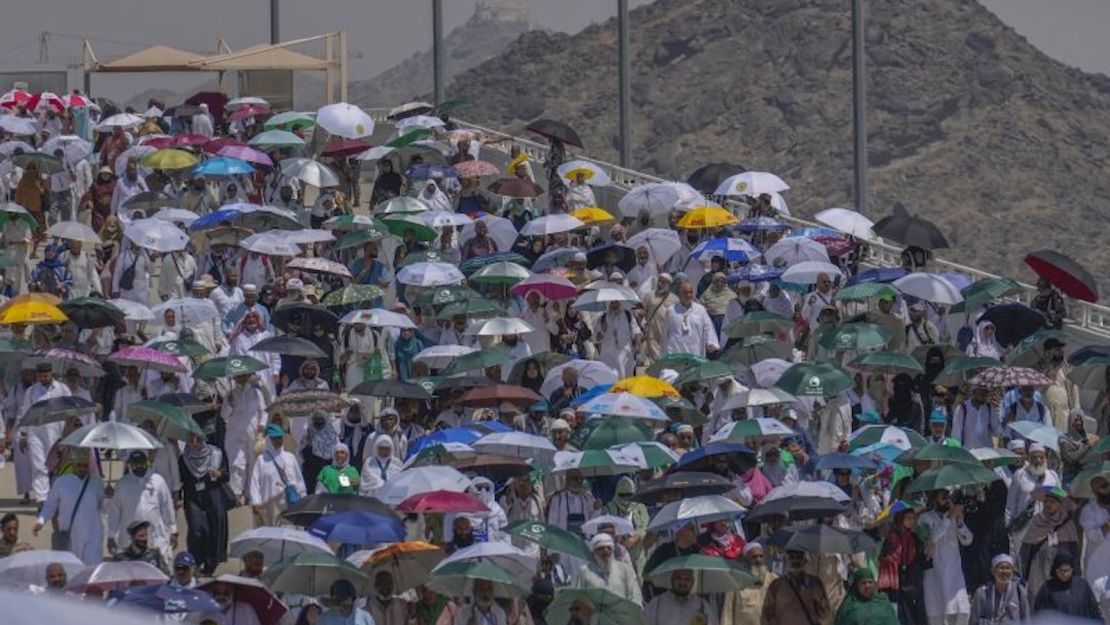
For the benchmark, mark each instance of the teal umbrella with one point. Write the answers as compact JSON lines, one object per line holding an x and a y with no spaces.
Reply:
{"x":678,"y":361}
{"x":858,"y":336}
{"x":952,"y":475}
{"x":889,"y":363}
{"x":441,"y":295}
{"x":475,"y":306}
{"x":814,"y":380}
{"x":601,"y":606}
{"x":1091,"y":375}
{"x":983,"y":291}
{"x":481,"y":359}
{"x":501,"y":272}
{"x":700,"y":373}
{"x":276,"y":139}
{"x":1030,"y":351}
{"x":964,"y":368}
{"x":169,"y":421}
{"x":759,"y":322}
{"x":551,"y":538}
{"x":755,"y":349}
{"x":865,"y":291}
{"x":228,"y":366}
{"x":456,"y":579}
{"x":605,"y":433}
{"x":712,"y":574}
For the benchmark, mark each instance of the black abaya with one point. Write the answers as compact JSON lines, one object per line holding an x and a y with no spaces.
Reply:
{"x":205,"y":506}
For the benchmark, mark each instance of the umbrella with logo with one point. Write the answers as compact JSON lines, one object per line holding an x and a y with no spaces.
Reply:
{"x":165,"y":599}
{"x":31,"y":312}
{"x":571,"y":605}
{"x":814,"y":380}
{"x":345,"y":120}
{"x":228,"y":366}
{"x":952,"y":475}
{"x":648,"y":454}
{"x":751,"y":184}
{"x":902,"y":438}
{"x":625,"y":405}
{"x":550,"y":537}
{"x":859,"y":336}
{"x":865,"y":291}
{"x":594,"y":463}
{"x":747,"y":429}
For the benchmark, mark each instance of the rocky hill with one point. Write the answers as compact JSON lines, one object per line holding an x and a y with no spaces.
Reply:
{"x":970,"y":125}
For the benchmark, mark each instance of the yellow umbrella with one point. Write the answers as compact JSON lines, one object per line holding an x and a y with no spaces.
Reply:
{"x":707,"y":217}
{"x":593,"y":215}
{"x":169,"y":159}
{"x":45,"y":298}
{"x":645,"y":386}
{"x":32,"y":312}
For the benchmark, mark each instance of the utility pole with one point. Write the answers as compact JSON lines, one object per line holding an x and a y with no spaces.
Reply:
{"x":275,"y":22}
{"x":625,"y":84}
{"x":44,"y":47}
{"x":859,"y":106}
{"x":437,"y":50}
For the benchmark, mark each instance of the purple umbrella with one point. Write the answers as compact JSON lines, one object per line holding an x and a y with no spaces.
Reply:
{"x":245,"y":153}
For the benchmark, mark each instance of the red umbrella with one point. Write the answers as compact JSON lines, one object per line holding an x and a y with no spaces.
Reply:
{"x":267,"y":607}
{"x":215,"y":101}
{"x":442,"y":501}
{"x":248,"y":111}
{"x":835,"y":245}
{"x":46,"y":99}
{"x":160,"y":143}
{"x":215,"y":145}
{"x":516,"y":187}
{"x":190,"y":141}
{"x":493,"y":396}
{"x":75,"y":100}
{"x":14,"y":99}
{"x":1065,"y":273}
{"x":346,"y":147}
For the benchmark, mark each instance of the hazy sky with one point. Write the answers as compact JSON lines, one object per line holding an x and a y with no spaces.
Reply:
{"x":383,"y":32}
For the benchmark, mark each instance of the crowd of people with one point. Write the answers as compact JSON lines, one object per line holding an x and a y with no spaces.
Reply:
{"x":472,"y":396}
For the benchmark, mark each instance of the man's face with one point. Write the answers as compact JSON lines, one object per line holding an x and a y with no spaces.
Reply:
{"x":942,"y":502}
{"x":533,"y":300}
{"x":682,"y":582}
{"x":570,"y":377}
{"x":183,"y":573}
{"x":311,"y":370}
{"x":574,"y":480}
{"x":1037,"y":458}
{"x":141,"y":540}
{"x":223,"y":594}
{"x":1064,"y":572}
{"x":232,"y":278}
{"x":686,"y":293}
{"x":253,"y":562}
{"x":1003,"y":572}
{"x":340,"y":457}
{"x":384,"y":451}
{"x":45,"y":377}
{"x":755,"y":559}
{"x":866,"y":588}
{"x":132,"y":170}
{"x":560,"y":437}
{"x":1026,"y":393}
{"x":11,"y":531}
{"x":56,"y":576}
{"x":383,"y":584}
{"x":795,"y":561}
{"x":286,"y":194}
{"x":483,"y":592}
{"x":823,"y":283}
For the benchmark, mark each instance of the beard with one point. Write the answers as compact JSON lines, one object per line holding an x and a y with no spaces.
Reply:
{"x":1038,"y":470}
{"x":759,"y":571}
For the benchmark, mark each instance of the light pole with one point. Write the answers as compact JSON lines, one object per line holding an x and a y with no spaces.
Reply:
{"x":859,"y":106}
{"x":625,"y":84}
{"x":275,"y":23}
{"x":437,"y":50}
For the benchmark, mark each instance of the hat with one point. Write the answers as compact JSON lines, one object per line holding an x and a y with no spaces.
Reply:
{"x":665,"y":276}
{"x":1016,"y":444}
{"x":274,"y":431}
{"x":105,"y":170}
{"x":136,"y":526}
{"x":869,"y":416}
{"x":43,"y":367}
{"x":250,"y":288}
{"x":206,"y":282}
{"x":886,"y":297}
{"x":559,"y":425}
{"x":184,"y":559}
{"x":579,"y":257}
{"x":294,"y":284}
{"x":720,"y":275}
{"x":863,"y":573}
{"x":136,"y":456}
{"x":1002,"y":558}
{"x":567,"y":412}
{"x":1036,"y":447}
{"x":1053,"y":491}
{"x":684,"y":428}
{"x":601,"y":539}
{"x":508,"y":408}
{"x":938,"y":416}
{"x":389,"y":412}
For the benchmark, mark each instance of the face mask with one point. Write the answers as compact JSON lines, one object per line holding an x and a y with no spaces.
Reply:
{"x":138,"y":471}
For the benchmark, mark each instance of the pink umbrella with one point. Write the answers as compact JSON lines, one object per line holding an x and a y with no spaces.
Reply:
{"x":322,"y":265}
{"x":190,"y":141}
{"x":100,"y":579}
{"x":147,"y":358}
{"x":245,"y":153}
{"x":44,"y":100}
{"x":547,"y":285}
{"x":835,"y":245}
{"x":76,"y":100}
{"x":473,"y":169}
{"x":159,"y":143}
{"x":249,"y":111}
{"x":14,"y":99}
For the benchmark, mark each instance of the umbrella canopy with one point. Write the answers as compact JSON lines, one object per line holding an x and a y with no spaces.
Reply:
{"x":751,"y":184}
{"x":936,"y":453}
{"x":930,"y":287}
{"x":157,"y":235}
{"x":983,"y":291}
{"x":793,"y":250}
{"x":276,"y":544}
{"x":304,"y":315}
{"x":740,"y":457}
{"x":889,"y":363}
{"x":731,"y":249}
{"x":481,"y":359}
{"x":1013,"y":323}
{"x":358,"y":528}
{"x":847,"y":221}
{"x":911,"y":230}
{"x":345,"y":120}
{"x":745,"y":429}
{"x":169,"y":421}
{"x":757,"y":397}
{"x":28,"y":568}
{"x":594,"y":463}
{"x":430,"y":274}
{"x":1005,"y":377}
{"x":516,"y":188}
{"x":111,"y":435}
{"x":557,"y":130}
{"x":88,"y":312}
{"x":456,"y":579}
{"x":516,"y":445}
{"x":902,"y":438}
{"x":442,"y":502}
{"x":694,"y":510}
{"x":711,"y":574}
{"x":858,"y":336}
{"x":311,"y":574}
{"x":499,"y":326}
{"x":707,"y":217}
{"x":1064,"y":273}
{"x":550,"y":537}
{"x":310,"y":508}
{"x":610,"y":433}
{"x":391,"y":388}
{"x":310,"y":172}
{"x":837,"y":460}
{"x":801,"y":501}
{"x":165,"y":599}
{"x":188,"y":348}
{"x":687,"y":483}
{"x":306,"y":403}
{"x":228,"y":366}
{"x":822,"y":539}
{"x":100,"y":579}
{"x":1090,"y":375}
{"x":951,"y":476}
{"x":73,"y":231}
{"x":500,"y":273}
{"x":759,"y":322}
{"x":814,"y":380}
{"x":266,"y":605}
{"x":57,"y":409}
{"x":31,"y":312}
{"x":287,"y":345}
{"x":147,"y":358}
{"x":1038,"y":433}
{"x":645,"y":386}
{"x":963,"y":368}
{"x":625,"y":405}
{"x":421,"y":480}
{"x":408,"y":563}
{"x":604,"y":607}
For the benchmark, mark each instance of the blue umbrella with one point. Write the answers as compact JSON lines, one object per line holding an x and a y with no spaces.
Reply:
{"x":554,"y":258}
{"x":358,"y":528}
{"x":829,"y":462}
{"x":733,"y":250}
{"x":223,"y":166}
{"x":591,"y":393}
{"x":462,"y":435}
{"x":488,"y":427}
{"x":815,"y":231}
{"x":754,"y":273}
{"x":883,"y":453}
{"x":214,"y":219}
{"x":425,"y":171}
{"x":885,"y":274}
{"x":761,"y":224}
{"x":166,"y":599}
{"x":740,"y":456}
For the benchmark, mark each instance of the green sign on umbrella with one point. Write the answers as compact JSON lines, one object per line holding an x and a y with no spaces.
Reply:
{"x":228,"y":366}
{"x":855,"y":336}
{"x":441,"y":295}
{"x":809,"y":379}
{"x":186,"y":347}
{"x":605,"y":433}
{"x":951,"y":476}
{"x":865,"y":291}
{"x":481,"y":359}
{"x":889,"y":363}
{"x":473,"y":306}
{"x":903,"y":438}
{"x":941,"y":454}
{"x":551,"y":538}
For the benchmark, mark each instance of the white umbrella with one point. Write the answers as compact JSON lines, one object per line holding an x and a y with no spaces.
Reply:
{"x":807,"y":272}
{"x":307,"y":236}
{"x":751,"y":428}
{"x":190,"y":310}
{"x":501,"y":230}
{"x":409,"y":124}
{"x":430,"y":274}
{"x":445,"y":219}
{"x":768,"y":371}
{"x":8,"y":148}
{"x":929,"y":287}
{"x":28,"y":568}
{"x":779,"y":203}
{"x":245,"y":101}
{"x":636,"y":451}
{"x":75,"y":148}
{"x":439,"y":356}
{"x":19,"y":126}
{"x":136,"y":152}
{"x":662,"y":243}
{"x":498,"y":326}
{"x":793,"y":250}
{"x":120,"y":120}
{"x":500,"y":270}
{"x":310,"y":172}
{"x":591,"y":373}
{"x":594,"y":462}
{"x":346,"y":120}
{"x":378,"y":318}
{"x":731,"y":244}
{"x":551,"y":224}
{"x":500,"y":553}
{"x":622,"y":525}
{"x":19,"y":607}
{"x":625,"y":406}
{"x":595,"y":175}
{"x":157,"y":235}
{"x":696,"y":510}
{"x":596,"y":298}
{"x":657,"y":198}
{"x":516,"y":445}
{"x":757,"y":397}
{"x":74,"y":231}
{"x":270,"y":243}
{"x":177,"y":215}
{"x":133,"y":311}
{"x":751,"y":183}
{"x":112,"y":435}
{"x":402,"y":205}
{"x":824,"y":490}
{"x":376,"y":153}
{"x":457,"y":451}
{"x":276,"y":543}
{"x":847,"y":221}
{"x":419,"y":480}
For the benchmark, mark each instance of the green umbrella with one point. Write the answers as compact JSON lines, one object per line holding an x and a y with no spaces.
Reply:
{"x":353,"y":294}
{"x":290,"y":120}
{"x":441,"y":455}
{"x":429,"y":256}
{"x":759,"y":322}
{"x":865,"y":291}
{"x":9,"y":210}
{"x":481,"y":359}
{"x":399,"y":224}
{"x":500,"y":272}
{"x":1091,"y":375}
{"x":350,"y":221}
{"x":228,"y":366}
{"x":606,"y":608}
{"x":185,"y":347}
{"x":478,"y":306}
{"x":871,"y":434}
{"x":605,"y":433}
{"x":169,"y":421}
{"x":943,"y":454}
{"x":809,"y":379}
{"x":456,"y":579}
{"x":92,"y":312}
{"x":366,"y":234}
{"x":1081,"y":483}
{"x":400,"y":205}
{"x":755,"y":349}
{"x":1030,"y":351}
{"x":311,"y":574}
{"x":48,"y":163}
{"x":681,"y":409}
{"x":983,"y":291}
{"x":656,"y":455}
{"x":678,"y":361}
{"x":890,"y":363}
{"x":700,"y":373}
{"x":471,"y":265}
{"x":964,"y":368}
{"x":410,"y":138}
{"x":950,"y":476}
{"x":712,"y":574}
{"x":441,"y":295}
{"x":546,"y":360}
{"x":855,"y":336}
{"x":550,"y":537}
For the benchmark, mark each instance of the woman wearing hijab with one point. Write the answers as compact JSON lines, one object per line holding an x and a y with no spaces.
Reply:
{"x":486,"y":526}
{"x":388,"y":183}
{"x":339,"y":477}
{"x":1050,"y":532}
{"x":32,"y":194}
{"x":532,"y":378}
{"x":902,"y":568}
{"x":323,"y":208}
{"x":985,"y":344}
{"x":320,"y":440}
{"x":380,"y":466}
{"x":903,"y":407}
{"x":406,"y":348}
{"x":1065,"y":594}
{"x":51,"y":275}
{"x":623,"y":505}
{"x":204,"y":475}
{"x":98,"y":199}
{"x":926,"y":382}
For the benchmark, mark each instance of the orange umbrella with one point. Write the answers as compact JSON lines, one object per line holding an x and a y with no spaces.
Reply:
{"x":410,"y":563}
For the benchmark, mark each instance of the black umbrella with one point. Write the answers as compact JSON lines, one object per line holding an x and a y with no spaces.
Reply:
{"x":495,"y":468}
{"x":555,"y":130}
{"x":91,"y":312}
{"x":462,"y":383}
{"x":822,"y":538}
{"x":306,"y":315}
{"x":797,"y":508}
{"x":186,"y":401}
{"x":597,"y":257}
{"x":287,"y":345}
{"x":516,"y":188}
{"x":184,"y":110}
{"x":57,"y":409}
{"x":391,"y":388}
{"x":1013,"y":323}
{"x":306,"y":511}
{"x":708,"y":177}
{"x":1065,"y":273}
{"x":150,"y":200}
{"x":910,"y":230}
{"x":683,"y":484}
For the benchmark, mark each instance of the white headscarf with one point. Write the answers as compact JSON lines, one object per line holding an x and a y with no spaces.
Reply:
{"x":437,"y":200}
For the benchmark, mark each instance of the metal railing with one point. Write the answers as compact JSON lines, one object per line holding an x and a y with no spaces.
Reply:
{"x":1082,"y":316}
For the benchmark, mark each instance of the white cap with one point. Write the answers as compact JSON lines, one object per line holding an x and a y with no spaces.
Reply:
{"x":1002,"y":558}
{"x":601,"y":539}
{"x":294,"y":284}
{"x":1036,"y":447}
{"x":1015,"y":444}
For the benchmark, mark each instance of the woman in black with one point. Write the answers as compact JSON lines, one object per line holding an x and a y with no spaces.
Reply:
{"x":903,"y":407}
{"x":203,"y":479}
{"x":1064,"y":594}
{"x":387,"y":184}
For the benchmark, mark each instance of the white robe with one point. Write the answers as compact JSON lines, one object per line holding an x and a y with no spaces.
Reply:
{"x":87,"y":531}
{"x":86,"y":276}
{"x":40,"y":438}
{"x":243,"y":414}
{"x":1093,"y":519}
{"x":359,"y":348}
{"x":945,"y":588}
{"x":669,"y":609}
{"x":373,"y":470}
{"x":243,"y":345}
{"x":266,"y":480}
{"x":539,"y":340}
{"x":140,"y":286}
{"x":580,"y":196}
{"x":143,"y":499}
{"x":225,"y":299}
{"x":175,"y":268}
{"x":615,"y":333}
{"x":689,"y":331}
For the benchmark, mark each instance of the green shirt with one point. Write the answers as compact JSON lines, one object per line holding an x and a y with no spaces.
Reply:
{"x":332,"y":478}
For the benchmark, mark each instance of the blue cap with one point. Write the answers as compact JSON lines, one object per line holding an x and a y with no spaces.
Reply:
{"x":184,"y":559}
{"x":869,"y":416}
{"x":938,"y":416}
{"x":539,"y":406}
{"x":274,"y":431}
